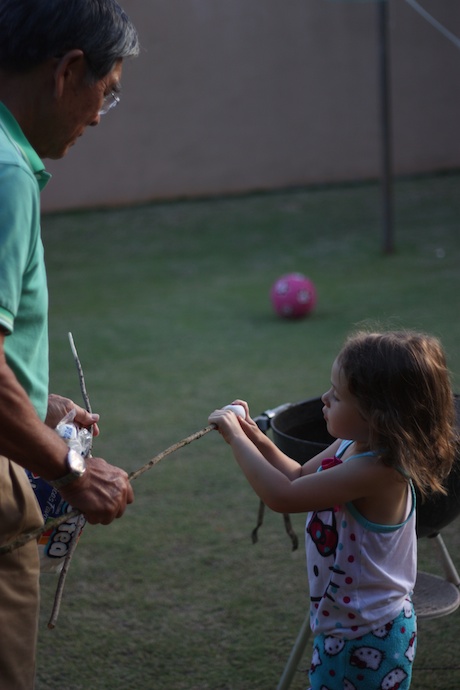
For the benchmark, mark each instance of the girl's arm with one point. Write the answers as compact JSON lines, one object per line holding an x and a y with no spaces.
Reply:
{"x":310,"y":491}
{"x":282,"y":462}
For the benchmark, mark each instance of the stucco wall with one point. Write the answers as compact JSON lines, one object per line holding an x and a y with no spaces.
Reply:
{"x":237,"y":95}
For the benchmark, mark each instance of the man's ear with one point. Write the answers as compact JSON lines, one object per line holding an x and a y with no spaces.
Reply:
{"x":70,"y":67}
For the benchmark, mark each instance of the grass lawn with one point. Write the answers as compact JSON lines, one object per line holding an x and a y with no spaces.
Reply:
{"x":168,"y":305}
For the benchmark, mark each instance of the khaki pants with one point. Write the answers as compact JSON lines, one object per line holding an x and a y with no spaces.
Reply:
{"x":19,"y":580}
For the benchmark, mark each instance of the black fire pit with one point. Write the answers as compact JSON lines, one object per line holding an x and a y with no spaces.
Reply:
{"x":299,"y":430}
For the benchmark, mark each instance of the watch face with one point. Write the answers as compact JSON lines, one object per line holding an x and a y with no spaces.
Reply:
{"x":75,"y":462}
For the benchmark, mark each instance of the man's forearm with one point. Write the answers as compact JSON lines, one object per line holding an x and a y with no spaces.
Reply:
{"x":24,"y":438}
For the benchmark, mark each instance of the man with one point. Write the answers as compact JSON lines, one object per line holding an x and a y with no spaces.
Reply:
{"x":60,"y":70}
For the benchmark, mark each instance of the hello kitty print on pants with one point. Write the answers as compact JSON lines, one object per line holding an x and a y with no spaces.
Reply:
{"x":379,"y":660}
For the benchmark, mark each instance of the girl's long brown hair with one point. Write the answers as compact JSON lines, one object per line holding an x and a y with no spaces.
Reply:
{"x":402,"y":385}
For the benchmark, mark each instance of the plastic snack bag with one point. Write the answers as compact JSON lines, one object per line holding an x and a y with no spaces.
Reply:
{"x":54,"y":544}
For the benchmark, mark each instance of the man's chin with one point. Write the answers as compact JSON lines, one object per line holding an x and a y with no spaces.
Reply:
{"x":57,"y":155}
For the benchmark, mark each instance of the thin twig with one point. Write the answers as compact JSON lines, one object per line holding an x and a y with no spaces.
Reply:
{"x":84,"y":392}
{"x":51,"y":524}
{"x":63,"y":574}
{"x":25,"y":537}
{"x":81,"y":378}
{"x":81,"y":520}
{"x":171,"y":449}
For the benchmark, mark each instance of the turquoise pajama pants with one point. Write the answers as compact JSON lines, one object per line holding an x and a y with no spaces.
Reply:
{"x":379,"y":660}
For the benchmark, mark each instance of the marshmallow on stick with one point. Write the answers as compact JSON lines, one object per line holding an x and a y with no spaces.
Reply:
{"x":237,"y":409}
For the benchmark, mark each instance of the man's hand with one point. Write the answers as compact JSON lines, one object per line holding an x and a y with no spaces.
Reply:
{"x":104,"y":491}
{"x":101,"y":494}
{"x":58,"y":407}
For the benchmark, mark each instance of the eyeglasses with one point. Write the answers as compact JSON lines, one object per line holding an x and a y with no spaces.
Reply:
{"x":110,"y":101}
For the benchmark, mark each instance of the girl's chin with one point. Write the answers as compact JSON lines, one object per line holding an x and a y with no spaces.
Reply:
{"x":330,"y":429}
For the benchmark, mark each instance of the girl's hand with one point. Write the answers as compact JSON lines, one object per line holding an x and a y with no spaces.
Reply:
{"x":231,"y":425}
{"x":249,"y":426}
{"x":227,"y":423}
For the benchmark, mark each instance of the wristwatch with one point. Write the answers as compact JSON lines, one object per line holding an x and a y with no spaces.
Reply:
{"x":76,"y":468}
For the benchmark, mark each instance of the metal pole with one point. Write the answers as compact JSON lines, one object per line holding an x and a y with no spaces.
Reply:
{"x":385,"y":117}
{"x":295,"y":656}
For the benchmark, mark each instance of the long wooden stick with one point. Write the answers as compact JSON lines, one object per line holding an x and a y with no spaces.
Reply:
{"x":63,"y":574}
{"x":81,"y":520}
{"x":81,"y":377}
{"x":171,"y":449}
{"x":73,"y":544}
{"x":35,"y":534}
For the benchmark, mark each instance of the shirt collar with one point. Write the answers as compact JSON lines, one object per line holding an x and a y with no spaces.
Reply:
{"x":30,"y":156}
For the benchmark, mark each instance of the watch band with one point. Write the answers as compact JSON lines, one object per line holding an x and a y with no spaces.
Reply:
{"x":76,"y":467}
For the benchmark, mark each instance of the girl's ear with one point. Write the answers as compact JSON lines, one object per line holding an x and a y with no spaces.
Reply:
{"x":71,"y":68}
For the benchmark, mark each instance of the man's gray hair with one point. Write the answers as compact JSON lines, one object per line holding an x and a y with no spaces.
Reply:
{"x":32,"y":31}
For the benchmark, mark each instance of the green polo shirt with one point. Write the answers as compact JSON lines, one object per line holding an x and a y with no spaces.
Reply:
{"x":23,"y":287}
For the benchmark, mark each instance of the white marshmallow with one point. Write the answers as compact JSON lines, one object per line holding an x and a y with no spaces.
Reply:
{"x":237,"y":409}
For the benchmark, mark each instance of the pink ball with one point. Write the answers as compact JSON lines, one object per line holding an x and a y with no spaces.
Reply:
{"x":293,"y":296}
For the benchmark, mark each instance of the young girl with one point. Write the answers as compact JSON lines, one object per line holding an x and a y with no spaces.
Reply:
{"x":390,"y":407}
